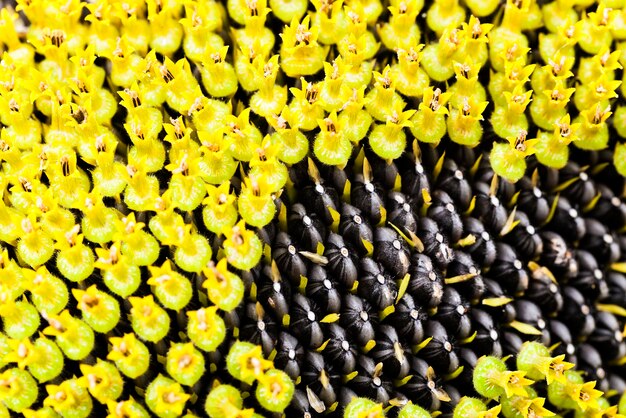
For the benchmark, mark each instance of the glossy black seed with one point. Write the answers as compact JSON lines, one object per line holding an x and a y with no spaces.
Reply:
{"x":467,"y":360}
{"x":414,"y":180}
{"x":440,"y":351}
{"x":424,"y":387}
{"x":464,"y":157}
{"x":321,"y":199}
{"x":609,"y":208}
{"x":544,"y":291}
{"x":403,"y":218}
{"x":288,"y":258}
{"x":371,"y":381}
{"x":497,"y":303}
{"x":289,"y":354}
{"x":567,"y":221}
{"x":259,"y":328}
{"x":444,"y":212}
{"x":345,"y":396}
{"x":600,"y":242}
{"x":407,"y":319}
{"x":489,"y":209}
{"x":384,"y":172}
{"x":465,"y":276}
{"x":274,"y":293}
{"x":425,"y":284}
{"x":342,"y":260}
{"x":549,"y":177}
{"x":305,"y":228}
{"x":248,"y":277}
{"x":590,"y":279}
{"x":591,"y":362}
{"x":452,"y":181}
{"x":511,"y":342}
{"x":483,"y":250}
{"x":304,"y":323}
{"x":561,"y":335}
{"x":616,"y":285}
{"x":323,"y":289}
{"x":391,"y":251}
{"x":318,"y":376}
{"x":576,"y":313}
{"x":524,"y":238}
{"x":529,"y":313}
{"x":608,"y":336}
{"x":376,"y":285}
{"x":368,"y":197}
{"x":506,"y":190}
{"x":299,"y":174}
{"x":396,"y":200}
{"x":582,"y":187}
{"x":452,"y":313}
{"x":435,"y":243}
{"x":557,"y":256}
{"x":355,"y":228}
{"x":533,"y":201}
{"x":447,"y":408}
{"x":267,"y":234}
{"x":335,"y":177}
{"x":617,"y":382}
{"x":391,"y":352}
{"x":508,"y":270}
{"x":340,"y":351}
{"x":487,"y":339}
{"x":233,"y":318}
{"x":358,"y":317}
{"x":300,"y":407}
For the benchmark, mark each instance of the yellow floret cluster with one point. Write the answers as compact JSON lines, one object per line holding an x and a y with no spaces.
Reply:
{"x":143,"y":144}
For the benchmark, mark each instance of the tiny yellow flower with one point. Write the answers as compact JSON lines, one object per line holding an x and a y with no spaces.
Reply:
{"x":23,"y":352}
{"x":253,"y":365}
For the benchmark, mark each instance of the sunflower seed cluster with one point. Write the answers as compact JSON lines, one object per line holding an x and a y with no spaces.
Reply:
{"x":388,"y":281}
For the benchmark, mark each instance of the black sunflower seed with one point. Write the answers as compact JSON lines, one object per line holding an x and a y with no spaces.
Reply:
{"x":376,"y":285}
{"x":289,"y":354}
{"x":342,"y":260}
{"x":323,"y":289}
{"x":305,"y":228}
{"x":340,"y":350}
{"x":426,"y":284}
{"x":391,"y":252}
{"x":304,"y":323}
{"x":288,"y":258}
{"x":355,"y":228}
{"x":444,"y":212}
